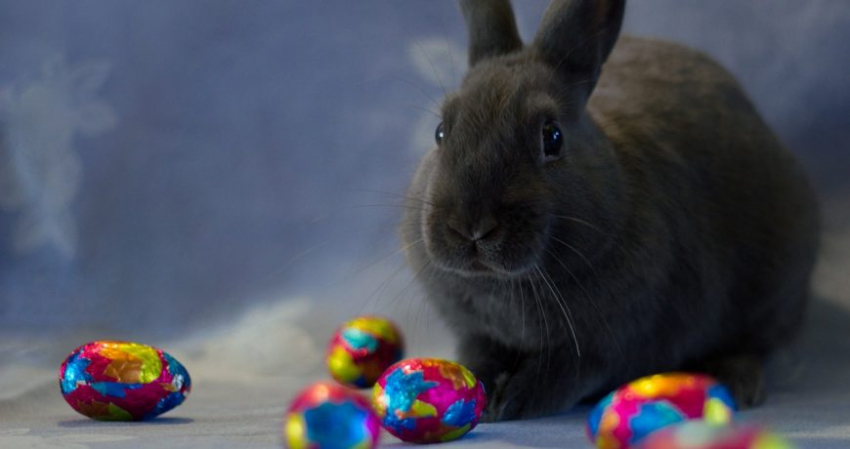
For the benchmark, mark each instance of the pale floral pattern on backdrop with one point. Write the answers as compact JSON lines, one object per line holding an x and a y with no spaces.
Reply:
{"x":40,"y":167}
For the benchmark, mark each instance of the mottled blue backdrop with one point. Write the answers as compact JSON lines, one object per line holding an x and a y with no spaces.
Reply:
{"x":164,"y":164}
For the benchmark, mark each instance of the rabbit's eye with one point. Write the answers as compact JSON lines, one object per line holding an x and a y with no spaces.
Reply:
{"x":439,"y":133}
{"x":552,"y":139}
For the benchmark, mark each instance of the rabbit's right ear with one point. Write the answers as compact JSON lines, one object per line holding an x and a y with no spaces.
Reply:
{"x":492,"y":28}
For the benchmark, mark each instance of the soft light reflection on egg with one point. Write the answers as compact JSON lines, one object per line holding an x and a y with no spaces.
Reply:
{"x":325,"y":415}
{"x":428,"y":400}
{"x":122,"y":381}
{"x":362,"y":349}
{"x":627,"y":415}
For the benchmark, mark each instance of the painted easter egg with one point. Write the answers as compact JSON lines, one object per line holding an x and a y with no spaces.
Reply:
{"x":633,"y":411}
{"x":362,"y":349}
{"x":428,"y":400}
{"x":123,"y":381}
{"x":325,"y":415}
{"x":703,"y":435}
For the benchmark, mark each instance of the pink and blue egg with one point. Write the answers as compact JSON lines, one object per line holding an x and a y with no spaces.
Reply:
{"x":329,"y":416}
{"x":123,"y":381}
{"x":428,"y":400}
{"x":627,"y":415}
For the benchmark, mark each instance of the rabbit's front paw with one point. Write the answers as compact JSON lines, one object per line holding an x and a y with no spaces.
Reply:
{"x":742,"y":374}
{"x":527,"y":393}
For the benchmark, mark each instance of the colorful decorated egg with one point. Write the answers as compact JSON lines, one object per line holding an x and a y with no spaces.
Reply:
{"x":633,"y":411}
{"x":362,"y":349}
{"x":123,"y":381}
{"x":428,"y":400}
{"x":703,"y":435}
{"x":326,"y":416}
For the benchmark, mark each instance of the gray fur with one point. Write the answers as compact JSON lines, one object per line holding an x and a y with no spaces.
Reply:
{"x":675,"y":232}
{"x":492,"y":28}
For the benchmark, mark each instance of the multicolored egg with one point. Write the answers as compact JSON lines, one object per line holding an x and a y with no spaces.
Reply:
{"x":326,"y":416}
{"x":428,"y":400}
{"x":624,"y":417}
{"x":362,"y":349}
{"x":123,"y":381}
{"x":703,"y":435}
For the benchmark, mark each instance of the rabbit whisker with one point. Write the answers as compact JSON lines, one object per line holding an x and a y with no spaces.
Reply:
{"x":404,"y":248}
{"x":522,"y":313}
{"x":589,"y":300}
{"x":612,"y":242}
{"x":433,"y":67}
{"x":376,"y":294}
{"x":419,"y":88}
{"x":576,"y":251}
{"x":295,"y":258}
{"x":420,"y":108}
{"x":394,"y":299}
{"x":562,"y":303}
{"x":402,"y":206}
{"x":384,"y":192}
{"x":541,"y":317}
{"x":512,"y":283}
{"x":584,"y":222}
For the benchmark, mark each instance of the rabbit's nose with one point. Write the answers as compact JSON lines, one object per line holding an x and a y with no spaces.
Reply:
{"x":479,"y":231}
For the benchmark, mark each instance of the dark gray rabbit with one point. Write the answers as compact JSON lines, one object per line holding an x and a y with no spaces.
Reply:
{"x":574,"y":242}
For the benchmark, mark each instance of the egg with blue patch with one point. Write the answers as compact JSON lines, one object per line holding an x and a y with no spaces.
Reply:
{"x":122,"y":381}
{"x":428,"y":400}
{"x":362,"y":349}
{"x":627,"y":415}
{"x":329,"y":416}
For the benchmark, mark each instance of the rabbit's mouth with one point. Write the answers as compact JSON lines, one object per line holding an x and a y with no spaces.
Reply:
{"x":481,"y":268}
{"x":504,"y":241}
{"x":478,"y":268}
{"x":499,"y":254}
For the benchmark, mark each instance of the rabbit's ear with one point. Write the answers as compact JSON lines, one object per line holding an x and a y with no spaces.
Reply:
{"x":492,"y":28}
{"x":576,"y":37}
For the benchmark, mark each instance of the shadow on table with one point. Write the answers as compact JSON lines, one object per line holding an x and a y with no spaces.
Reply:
{"x":91,"y":423}
{"x":563,"y":430}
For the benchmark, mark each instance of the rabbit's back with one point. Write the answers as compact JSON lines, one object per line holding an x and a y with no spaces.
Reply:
{"x":690,"y":141}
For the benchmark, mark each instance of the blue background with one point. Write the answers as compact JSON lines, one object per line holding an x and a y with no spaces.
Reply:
{"x":165,"y":164}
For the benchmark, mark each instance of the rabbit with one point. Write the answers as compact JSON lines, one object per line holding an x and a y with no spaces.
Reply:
{"x":592,"y":213}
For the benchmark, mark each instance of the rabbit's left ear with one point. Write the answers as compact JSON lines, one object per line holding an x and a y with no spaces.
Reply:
{"x":577,"y":36}
{"x":492,"y":28}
